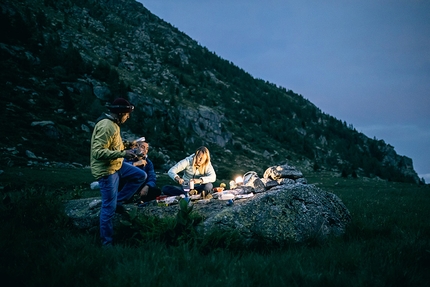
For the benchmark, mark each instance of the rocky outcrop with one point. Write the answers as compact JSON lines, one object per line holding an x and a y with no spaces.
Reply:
{"x":287,"y":212}
{"x":403,"y":163}
{"x":205,"y":122}
{"x":48,"y":128}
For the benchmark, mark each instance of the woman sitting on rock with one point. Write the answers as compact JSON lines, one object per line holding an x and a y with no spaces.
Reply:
{"x":197,"y":168}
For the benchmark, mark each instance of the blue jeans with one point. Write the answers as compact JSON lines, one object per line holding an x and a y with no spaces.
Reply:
{"x":134,"y":178}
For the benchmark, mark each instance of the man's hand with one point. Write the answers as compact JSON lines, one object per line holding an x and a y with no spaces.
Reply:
{"x":144,"y":191}
{"x":140,"y":162}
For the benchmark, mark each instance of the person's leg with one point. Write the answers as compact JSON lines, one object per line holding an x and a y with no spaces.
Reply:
{"x":207,"y":187}
{"x":133,"y":179}
{"x":153,"y":192}
{"x":109,"y":192}
{"x":172,"y":190}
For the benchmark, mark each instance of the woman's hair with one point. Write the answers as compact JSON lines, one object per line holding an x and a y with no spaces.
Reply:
{"x":202,"y":151}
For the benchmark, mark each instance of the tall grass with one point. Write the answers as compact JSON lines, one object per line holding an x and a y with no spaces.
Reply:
{"x":387,"y":244}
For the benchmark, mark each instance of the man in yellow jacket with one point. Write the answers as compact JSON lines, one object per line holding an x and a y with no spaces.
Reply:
{"x":108,"y":168}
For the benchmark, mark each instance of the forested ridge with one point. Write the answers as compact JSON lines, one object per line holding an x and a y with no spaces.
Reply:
{"x":62,"y":61}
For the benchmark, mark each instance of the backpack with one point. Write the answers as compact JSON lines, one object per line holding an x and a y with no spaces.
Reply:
{"x":252,"y":179}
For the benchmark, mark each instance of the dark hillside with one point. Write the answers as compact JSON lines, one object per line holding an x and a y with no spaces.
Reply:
{"x":62,"y":61}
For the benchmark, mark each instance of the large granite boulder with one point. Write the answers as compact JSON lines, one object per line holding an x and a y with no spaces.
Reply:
{"x":289,"y":211}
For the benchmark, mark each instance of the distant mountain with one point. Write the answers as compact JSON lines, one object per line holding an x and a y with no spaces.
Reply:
{"x":63,"y":60}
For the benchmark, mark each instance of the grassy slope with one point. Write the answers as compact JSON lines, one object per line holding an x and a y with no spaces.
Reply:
{"x":387,"y":244}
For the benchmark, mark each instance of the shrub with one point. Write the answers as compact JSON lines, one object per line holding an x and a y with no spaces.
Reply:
{"x":137,"y":229}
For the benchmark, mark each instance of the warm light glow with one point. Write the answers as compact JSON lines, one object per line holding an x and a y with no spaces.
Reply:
{"x":239,"y":180}
{"x":232,"y":184}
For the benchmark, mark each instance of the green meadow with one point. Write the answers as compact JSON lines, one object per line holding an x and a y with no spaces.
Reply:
{"x":386,"y":244}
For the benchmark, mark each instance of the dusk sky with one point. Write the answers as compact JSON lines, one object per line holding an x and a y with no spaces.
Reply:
{"x":366,"y":62}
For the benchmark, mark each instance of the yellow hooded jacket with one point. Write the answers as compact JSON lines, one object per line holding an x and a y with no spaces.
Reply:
{"x":107,"y":149}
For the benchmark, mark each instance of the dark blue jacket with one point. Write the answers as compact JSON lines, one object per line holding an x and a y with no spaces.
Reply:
{"x":151,"y":180}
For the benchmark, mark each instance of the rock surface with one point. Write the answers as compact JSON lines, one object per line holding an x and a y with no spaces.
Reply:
{"x":287,"y":213}
{"x":290,"y":212}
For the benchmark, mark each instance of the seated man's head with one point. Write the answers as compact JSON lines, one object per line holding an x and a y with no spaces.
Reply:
{"x":143,"y":146}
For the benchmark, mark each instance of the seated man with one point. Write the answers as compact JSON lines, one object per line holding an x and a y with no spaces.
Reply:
{"x":149,"y":190}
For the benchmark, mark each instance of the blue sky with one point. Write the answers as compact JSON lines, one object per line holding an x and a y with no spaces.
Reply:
{"x":366,"y":62}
